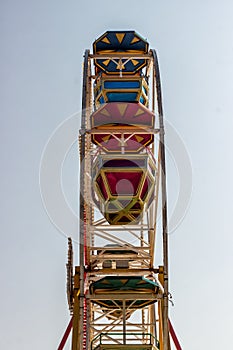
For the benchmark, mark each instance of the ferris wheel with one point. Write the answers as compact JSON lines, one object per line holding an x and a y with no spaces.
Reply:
{"x":117,"y":297}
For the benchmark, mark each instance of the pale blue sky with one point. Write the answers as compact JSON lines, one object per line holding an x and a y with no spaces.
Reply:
{"x":40,"y":67}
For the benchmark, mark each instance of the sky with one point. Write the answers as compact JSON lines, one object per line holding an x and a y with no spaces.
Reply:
{"x":41,"y":75}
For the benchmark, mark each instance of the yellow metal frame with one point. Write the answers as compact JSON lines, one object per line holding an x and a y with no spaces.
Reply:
{"x":122,"y":140}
